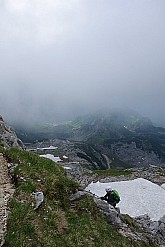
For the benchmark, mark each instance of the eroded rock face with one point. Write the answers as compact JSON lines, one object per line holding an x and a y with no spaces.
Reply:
{"x":138,"y":229}
{"x":8,"y":136}
{"x":111,"y":214}
{"x":157,"y":228}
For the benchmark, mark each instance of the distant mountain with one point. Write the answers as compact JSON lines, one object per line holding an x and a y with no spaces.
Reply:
{"x":120,"y":135}
{"x":114,"y":125}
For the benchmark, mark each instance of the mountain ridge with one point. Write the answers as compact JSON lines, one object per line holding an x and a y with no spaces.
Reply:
{"x":115,"y":134}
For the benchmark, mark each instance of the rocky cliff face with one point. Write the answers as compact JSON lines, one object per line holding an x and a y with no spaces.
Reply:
{"x":8,"y":136}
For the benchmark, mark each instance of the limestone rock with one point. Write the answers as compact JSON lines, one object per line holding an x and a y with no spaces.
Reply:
{"x":39,"y":198}
{"x":161,"y":231}
{"x":111,"y":214}
{"x":8,"y":136}
{"x":78,"y":195}
{"x":156,"y":228}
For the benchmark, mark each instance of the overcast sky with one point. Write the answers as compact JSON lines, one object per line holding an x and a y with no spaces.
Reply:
{"x":60,"y":58}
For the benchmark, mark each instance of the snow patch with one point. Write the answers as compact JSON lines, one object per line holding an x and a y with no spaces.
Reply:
{"x":51,"y":157}
{"x":48,"y":148}
{"x":163,"y":186}
{"x":67,"y":167}
{"x":65,"y":157}
{"x":138,"y":197}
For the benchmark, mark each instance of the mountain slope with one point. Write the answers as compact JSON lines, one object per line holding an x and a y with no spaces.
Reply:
{"x":56,"y":222}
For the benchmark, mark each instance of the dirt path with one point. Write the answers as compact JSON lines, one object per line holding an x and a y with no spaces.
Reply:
{"x":6,"y":191}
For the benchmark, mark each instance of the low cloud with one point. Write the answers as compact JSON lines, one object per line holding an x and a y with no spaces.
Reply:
{"x":64,"y":58}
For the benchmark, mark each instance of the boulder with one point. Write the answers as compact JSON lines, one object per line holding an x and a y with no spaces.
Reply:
{"x":39,"y":198}
{"x":112,"y":215}
{"x":78,"y":195}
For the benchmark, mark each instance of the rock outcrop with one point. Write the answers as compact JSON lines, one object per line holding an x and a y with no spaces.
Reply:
{"x":111,"y":213}
{"x":8,"y":136}
{"x":138,"y":229}
{"x":156,"y":228}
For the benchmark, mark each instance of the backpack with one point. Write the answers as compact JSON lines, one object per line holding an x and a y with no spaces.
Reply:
{"x":116,"y":196}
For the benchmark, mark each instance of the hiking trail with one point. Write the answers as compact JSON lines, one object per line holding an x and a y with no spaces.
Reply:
{"x":6,"y":191}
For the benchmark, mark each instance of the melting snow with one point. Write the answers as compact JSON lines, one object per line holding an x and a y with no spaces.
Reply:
{"x":51,"y":157}
{"x":163,"y":186}
{"x":47,"y":148}
{"x":65,"y":157}
{"x":67,"y":167}
{"x":138,"y":197}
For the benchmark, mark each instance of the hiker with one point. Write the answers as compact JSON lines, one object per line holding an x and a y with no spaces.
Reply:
{"x":112,"y":196}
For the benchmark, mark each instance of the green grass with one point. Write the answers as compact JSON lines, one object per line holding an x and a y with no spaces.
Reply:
{"x":55,"y":222}
{"x":162,"y":171}
{"x":130,"y":222}
{"x":113,"y":172}
{"x":1,"y":148}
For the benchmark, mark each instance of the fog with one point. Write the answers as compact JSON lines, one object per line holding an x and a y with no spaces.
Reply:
{"x":62,"y":58}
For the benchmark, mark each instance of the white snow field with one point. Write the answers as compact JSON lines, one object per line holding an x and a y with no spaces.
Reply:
{"x":163,"y":186}
{"x":51,"y":157}
{"x":55,"y":159}
{"x":138,"y":197}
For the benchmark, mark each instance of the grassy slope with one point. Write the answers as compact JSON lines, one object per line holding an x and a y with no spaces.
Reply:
{"x":56,"y":222}
{"x":113,"y":172}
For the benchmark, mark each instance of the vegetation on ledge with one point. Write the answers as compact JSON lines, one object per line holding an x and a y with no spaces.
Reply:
{"x":113,"y":172}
